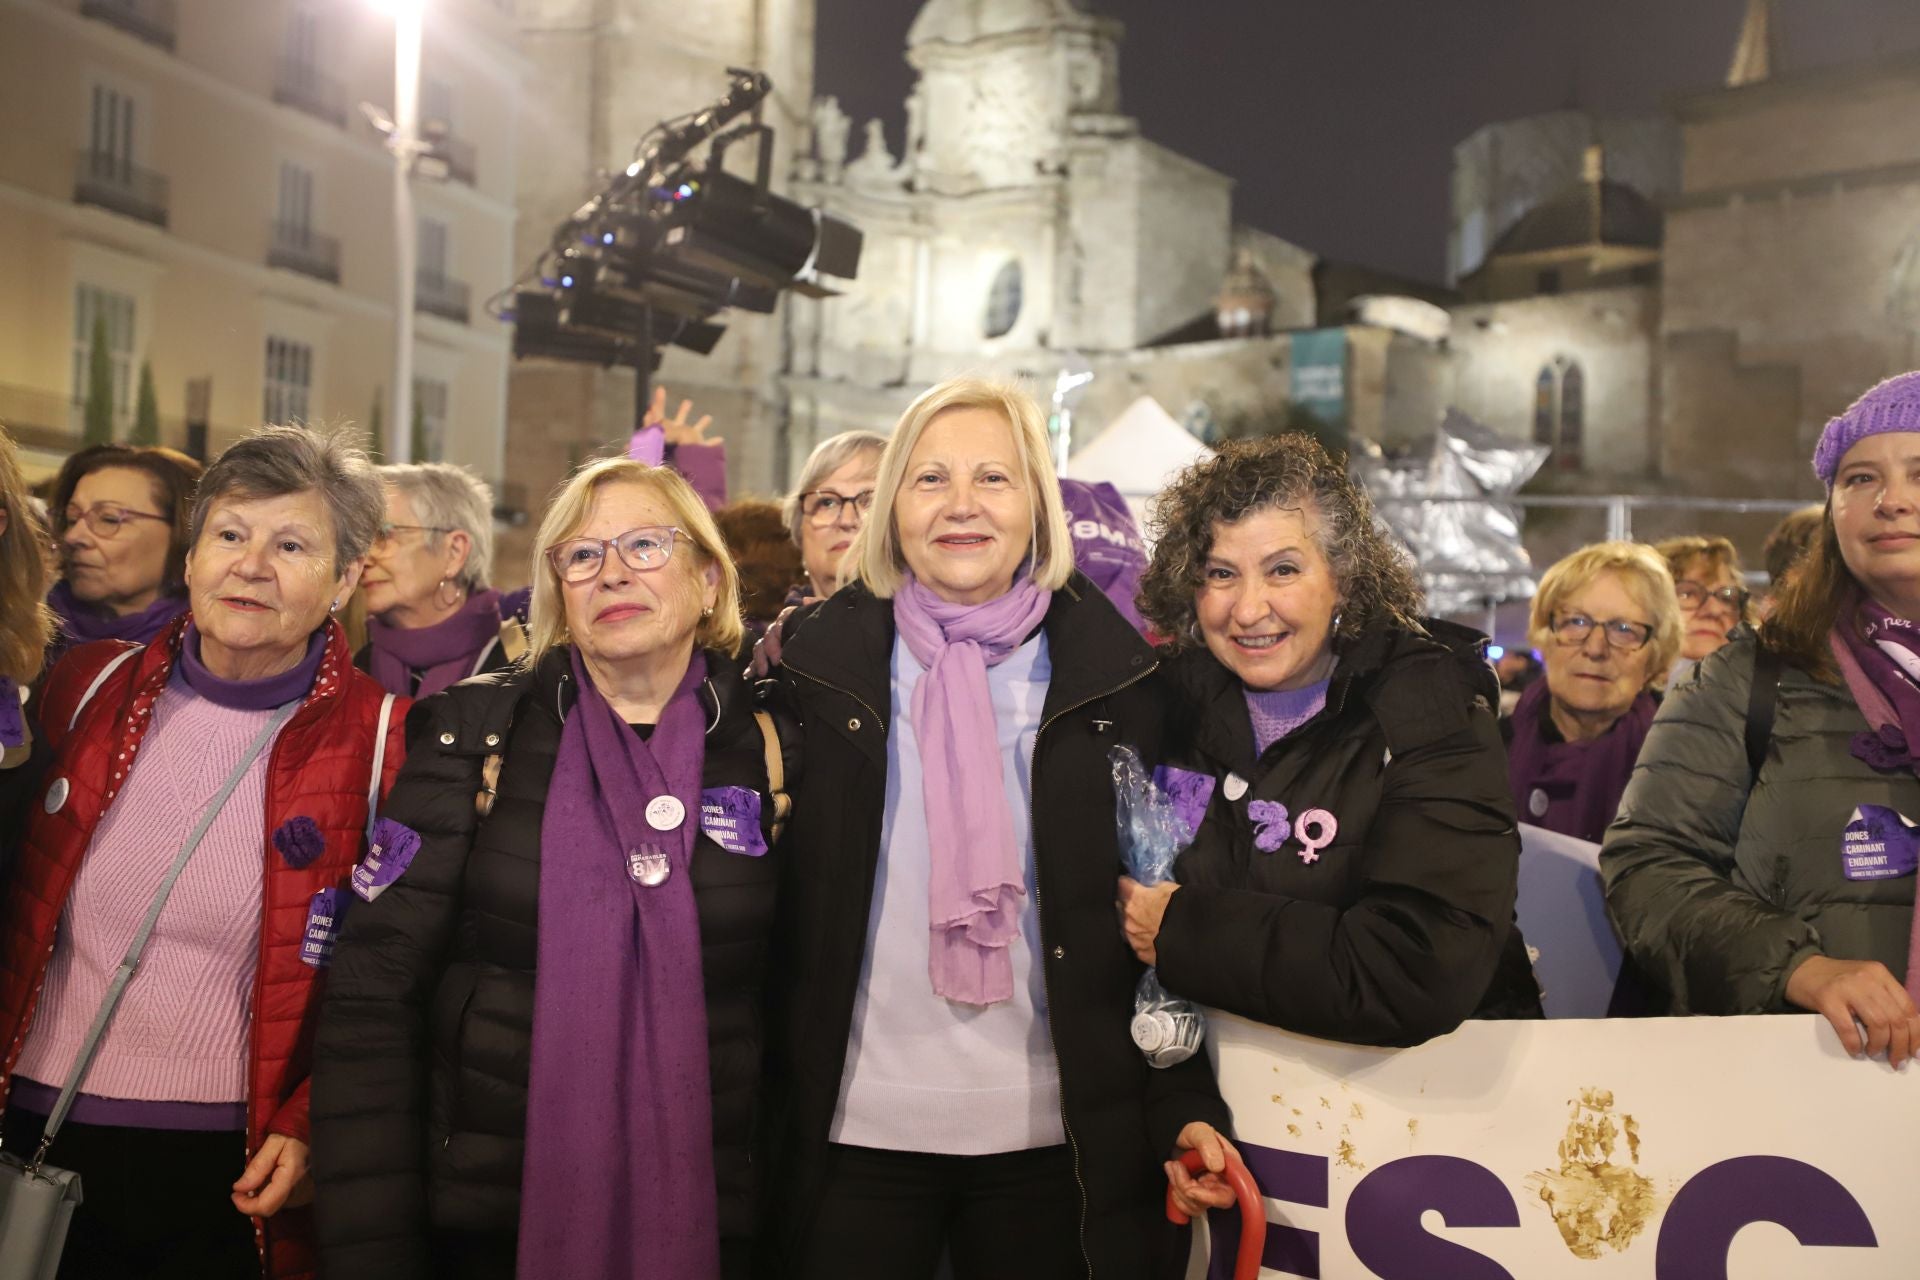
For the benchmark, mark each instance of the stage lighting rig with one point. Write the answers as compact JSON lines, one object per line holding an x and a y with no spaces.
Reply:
{"x":671,"y":243}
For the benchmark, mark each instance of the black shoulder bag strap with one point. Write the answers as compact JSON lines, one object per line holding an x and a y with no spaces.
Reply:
{"x":1762,"y":696}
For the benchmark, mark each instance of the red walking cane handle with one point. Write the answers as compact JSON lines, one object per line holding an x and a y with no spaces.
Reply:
{"x":1253,"y":1211}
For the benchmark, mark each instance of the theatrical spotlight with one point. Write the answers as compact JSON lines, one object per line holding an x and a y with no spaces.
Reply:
{"x":671,"y":243}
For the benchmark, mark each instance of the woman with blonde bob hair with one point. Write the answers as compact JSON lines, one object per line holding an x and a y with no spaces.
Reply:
{"x":953,"y":1066}
{"x":1607,"y":626}
{"x":564,"y":972}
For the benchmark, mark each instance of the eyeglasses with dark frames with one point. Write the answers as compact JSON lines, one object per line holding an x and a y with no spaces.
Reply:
{"x":824,"y":506}
{"x":1573,"y":629}
{"x":1694,"y":596}
{"x":642,"y":550}
{"x":106,"y":519}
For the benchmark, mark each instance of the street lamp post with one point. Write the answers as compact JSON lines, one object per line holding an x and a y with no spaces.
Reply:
{"x":404,"y":142}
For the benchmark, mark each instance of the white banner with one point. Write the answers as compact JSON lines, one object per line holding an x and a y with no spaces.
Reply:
{"x":1658,"y":1148}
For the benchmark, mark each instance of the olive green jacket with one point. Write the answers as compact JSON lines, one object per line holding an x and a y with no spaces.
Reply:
{"x":1720,"y":883}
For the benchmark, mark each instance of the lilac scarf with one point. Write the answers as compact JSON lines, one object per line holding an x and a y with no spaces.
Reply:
{"x":1579,"y":783}
{"x":975,"y":890}
{"x":1890,"y":701}
{"x":443,"y":653}
{"x":82,"y":623}
{"x":618,"y":1179}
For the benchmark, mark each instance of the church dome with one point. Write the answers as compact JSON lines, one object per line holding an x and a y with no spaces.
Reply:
{"x":1626,"y":219}
{"x":965,"y":21}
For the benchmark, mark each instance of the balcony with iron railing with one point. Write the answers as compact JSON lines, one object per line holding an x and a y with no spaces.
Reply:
{"x":299,"y":84}
{"x":113,"y":182}
{"x":439,"y":295}
{"x":302,"y":249}
{"x":149,"y":20}
{"x":447,"y":155}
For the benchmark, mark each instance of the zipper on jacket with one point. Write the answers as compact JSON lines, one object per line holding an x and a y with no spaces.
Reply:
{"x":1033,"y":831}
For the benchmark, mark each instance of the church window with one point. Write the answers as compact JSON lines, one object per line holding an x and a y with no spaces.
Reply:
{"x":1560,"y":412}
{"x":1003,"y":300}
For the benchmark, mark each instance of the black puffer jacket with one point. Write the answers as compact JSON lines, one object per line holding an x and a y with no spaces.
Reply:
{"x":1121,"y":1115}
{"x":420,"y":1068}
{"x":1404,"y":925}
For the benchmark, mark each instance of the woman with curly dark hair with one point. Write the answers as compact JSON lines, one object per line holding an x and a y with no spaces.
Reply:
{"x":1352,"y":870}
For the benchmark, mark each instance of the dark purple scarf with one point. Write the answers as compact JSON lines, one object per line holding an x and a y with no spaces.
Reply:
{"x":618,"y":1179}
{"x":251,"y":695}
{"x":82,"y":623}
{"x":443,"y":653}
{"x":1578,"y":783}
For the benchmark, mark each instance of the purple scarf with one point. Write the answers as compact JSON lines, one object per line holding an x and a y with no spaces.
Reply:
{"x":977,"y":884}
{"x":1889,"y":700}
{"x":251,"y":695}
{"x":443,"y":653}
{"x":618,"y":1179}
{"x":82,"y":623}
{"x":1577,"y":784}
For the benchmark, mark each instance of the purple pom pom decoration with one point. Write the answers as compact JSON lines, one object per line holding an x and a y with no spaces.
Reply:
{"x":1270,"y":817}
{"x":299,"y":841}
{"x":1886,"y":749}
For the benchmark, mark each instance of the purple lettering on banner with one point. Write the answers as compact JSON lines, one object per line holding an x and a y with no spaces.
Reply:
{"x":730,"y":817}
{"x":1189,"y":791}
{"x":1721,"y":1199}
{"x":1383,"y":1218}
{"x":1292,"y":1176}
{"x":1879,"y":844}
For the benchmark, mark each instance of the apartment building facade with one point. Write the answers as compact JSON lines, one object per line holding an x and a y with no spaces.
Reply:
{"x":195,"y":182}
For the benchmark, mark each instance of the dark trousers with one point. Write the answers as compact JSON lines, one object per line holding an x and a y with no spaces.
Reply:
{"x":154,"y":1202}
{"x":890,"y":1215}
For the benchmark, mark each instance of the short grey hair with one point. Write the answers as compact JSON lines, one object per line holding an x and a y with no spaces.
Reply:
{"x":446,"y":496}
{"x":280,"y":460}
{"x":828,"y":457}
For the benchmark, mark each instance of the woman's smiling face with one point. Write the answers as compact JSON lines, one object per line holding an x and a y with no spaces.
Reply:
{"x":1267,"y":599}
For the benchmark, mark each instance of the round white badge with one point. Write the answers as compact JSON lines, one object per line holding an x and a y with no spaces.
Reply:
{"x":1235,"y":786}
{"x":665,"y":813}
{"x":1537,"y":803}
{"x":56,"y":796}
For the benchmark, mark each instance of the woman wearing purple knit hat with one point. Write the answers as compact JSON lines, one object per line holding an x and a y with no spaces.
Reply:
{"x":1764,"y":857}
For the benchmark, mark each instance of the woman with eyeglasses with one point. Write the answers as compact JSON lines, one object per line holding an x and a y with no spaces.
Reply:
{"x":828,"y":506}
{"x":432,"y":620}
{"x":1607,"y":625}
{"x":121,"y":514}
{"x":1763,"y":859}
{"x":1708,"y":582}
{"x":541,"y":1044}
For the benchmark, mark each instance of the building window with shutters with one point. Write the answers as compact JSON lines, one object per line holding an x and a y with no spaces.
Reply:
{"x":289,"y":381}
{"x":95,"y":306}
{"x":430,"y":420}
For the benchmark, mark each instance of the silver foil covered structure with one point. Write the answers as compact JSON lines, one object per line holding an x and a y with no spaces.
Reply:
{"x":1443,"y":501}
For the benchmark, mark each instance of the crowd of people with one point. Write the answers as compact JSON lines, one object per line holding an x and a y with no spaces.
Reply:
{"x":746,"y":898}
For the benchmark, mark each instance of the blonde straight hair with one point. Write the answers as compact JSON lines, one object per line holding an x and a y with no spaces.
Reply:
{"x":875,"y":556}
{"x":721,"y":630}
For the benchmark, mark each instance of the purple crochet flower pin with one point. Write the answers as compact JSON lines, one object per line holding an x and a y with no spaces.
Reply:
{"x":1886,"y":749}
{"x":299,"y":841}
{"x":1270,"y":817}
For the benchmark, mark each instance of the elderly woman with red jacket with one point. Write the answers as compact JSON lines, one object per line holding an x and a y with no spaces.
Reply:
{"x":246,"y":724}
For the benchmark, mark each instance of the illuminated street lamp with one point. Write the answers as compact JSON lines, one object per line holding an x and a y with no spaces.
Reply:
{"x":403,"y":140}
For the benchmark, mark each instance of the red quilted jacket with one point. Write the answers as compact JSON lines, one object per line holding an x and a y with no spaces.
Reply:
{"x":320,"y":768}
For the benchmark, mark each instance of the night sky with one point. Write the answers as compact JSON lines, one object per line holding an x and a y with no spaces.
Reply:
{"x":1337,"y":118}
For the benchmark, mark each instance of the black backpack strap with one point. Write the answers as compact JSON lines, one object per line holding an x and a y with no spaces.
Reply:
{"x":1761,"y":699}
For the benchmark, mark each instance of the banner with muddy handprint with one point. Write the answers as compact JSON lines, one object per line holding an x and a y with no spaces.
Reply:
{"x":1653,"y":1149}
